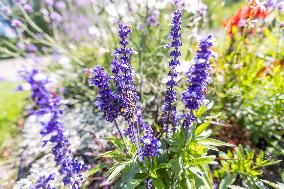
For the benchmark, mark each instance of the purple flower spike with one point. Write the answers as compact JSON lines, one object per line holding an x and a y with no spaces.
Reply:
{"x":169,"y":109}
{"x":128,"y":98}
{"x":106,"y":100}
{"x":198,"y":77}
{"x":123,"y":79}
{"x":49,"y":108}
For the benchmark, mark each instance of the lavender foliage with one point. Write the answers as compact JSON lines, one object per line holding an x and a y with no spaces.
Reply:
{"x":49,"y":112}
{"x":169,"y":109}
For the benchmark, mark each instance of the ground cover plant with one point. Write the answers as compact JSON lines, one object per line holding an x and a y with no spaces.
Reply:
{"x":12,"y":104}
{"x":144,"y":94}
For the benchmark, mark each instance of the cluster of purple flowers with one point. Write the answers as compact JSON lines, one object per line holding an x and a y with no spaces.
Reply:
{"x":178,"y":3}
{"x":153,"y":18}
{"x":278,"y":4}
{"x":24,"y":3}
{"x":8,"y":11}
{"x":57,"y":6}
{"x":106,"y":101}
{"x":150,"y":144}
{"x":48,"y":105}
{"x":60,"y":5}
{"x":169,"y":109}
{"x":198,"y":77}
{"x":43,"y":182}
{"x":124,"y":101}
{"x":148,"y":183}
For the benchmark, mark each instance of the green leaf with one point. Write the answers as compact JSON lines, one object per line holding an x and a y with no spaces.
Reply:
{"x":202,"y":128}
{"x":254,"y":182}
{"x":132,"y":184}
{"x":132,"y":171}
{"x":267,"y":163}
{"x":207,"y":174}
{"x":158,"y":183}
{"x":210,"y":105}
{"x":154,"y":174}
{"x":274,"y":185}
{"x":190,"y":183}
{"x":113,"y":154}
{"x":177,"y":165}
{"x":116,"y":171}
{"x":191,"y":134}
{"x":236,"y":187}
{"x":163,"y":166}
{"x":227,"y":180}
{"x":202,"y":160}
{"x":213,"y":142}
{"x":117,"y":142}
{"x":198,"y":113}
{"x":96,"y":169}
{"x":199,"y":174}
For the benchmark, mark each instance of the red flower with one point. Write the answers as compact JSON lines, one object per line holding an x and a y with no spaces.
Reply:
{"x":253,"y":11}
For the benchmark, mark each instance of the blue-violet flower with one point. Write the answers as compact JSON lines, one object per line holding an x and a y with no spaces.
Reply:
{"x":49,"y":108}
{"x":169,"y":109}
{"x":198,"y":77}
{"x":106,"y":102}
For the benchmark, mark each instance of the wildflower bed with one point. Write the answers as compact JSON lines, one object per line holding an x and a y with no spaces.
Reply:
{"x":153,"y":102}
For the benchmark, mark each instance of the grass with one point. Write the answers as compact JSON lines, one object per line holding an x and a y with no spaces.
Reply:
{"x":11,"y":107}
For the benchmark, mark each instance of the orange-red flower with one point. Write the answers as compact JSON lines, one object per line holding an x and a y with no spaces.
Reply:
{"x":253,"y":11}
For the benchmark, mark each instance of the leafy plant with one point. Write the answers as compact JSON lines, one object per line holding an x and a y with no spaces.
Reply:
{"x":249,"y":85}
{"x":244,"y":164}
{"x":180,"y":165}
{"x":11,"y":105}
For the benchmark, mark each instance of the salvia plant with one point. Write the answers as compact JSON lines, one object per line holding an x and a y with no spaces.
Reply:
{"x":177,"y":156}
